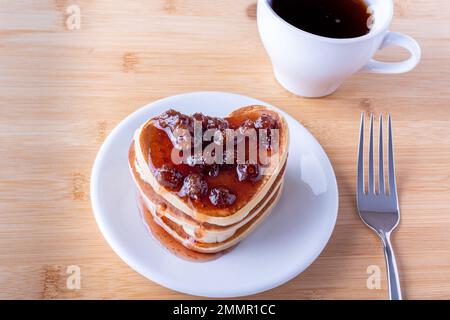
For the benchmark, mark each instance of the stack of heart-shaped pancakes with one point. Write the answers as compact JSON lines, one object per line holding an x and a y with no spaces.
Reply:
{"x":207,"y":207}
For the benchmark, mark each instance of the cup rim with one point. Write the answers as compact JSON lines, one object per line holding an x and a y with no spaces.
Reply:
{"x":369,"y":35}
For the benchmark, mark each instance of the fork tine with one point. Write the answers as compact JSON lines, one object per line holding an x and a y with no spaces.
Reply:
{"x":360,"y":179}
{"x":381,"y":189}
{"x":392,"y":184}
{"x":371,"y":188}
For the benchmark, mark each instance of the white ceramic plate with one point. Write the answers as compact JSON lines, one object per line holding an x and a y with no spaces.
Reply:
{"x":284,"y":245}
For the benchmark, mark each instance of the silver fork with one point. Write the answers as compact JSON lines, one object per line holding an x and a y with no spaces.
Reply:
{"x":379,"y":209}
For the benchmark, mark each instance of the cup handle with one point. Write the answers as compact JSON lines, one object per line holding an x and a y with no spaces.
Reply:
{"x":396,"y":39}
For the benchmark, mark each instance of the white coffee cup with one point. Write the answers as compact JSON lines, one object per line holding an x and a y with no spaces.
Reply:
{"x":314,"y":66}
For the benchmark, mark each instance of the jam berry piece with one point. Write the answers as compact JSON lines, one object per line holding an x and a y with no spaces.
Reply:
{"x":174,"y":120}
{"x":201,"y":118}
{"x":266,"y":122}
{"x":169,"y":177}
{"x":216,"y":123}
{"x":248,"y":124}
{"x":199,"y":162}
{"x":170,"y":118}
{"x":194,"y":186}
{"x":221,"y":197}
{"x":248,"y":172}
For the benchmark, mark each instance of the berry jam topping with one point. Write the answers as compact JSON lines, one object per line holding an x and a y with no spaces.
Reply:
{"x":169,"y":177}
{"x":194,"y":186}
{"x":248,"y":172}
{"x":221,"y":197}
{"x":208,"y":184}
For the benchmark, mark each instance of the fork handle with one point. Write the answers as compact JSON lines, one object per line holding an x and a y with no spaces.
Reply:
{"x":395,"y":292}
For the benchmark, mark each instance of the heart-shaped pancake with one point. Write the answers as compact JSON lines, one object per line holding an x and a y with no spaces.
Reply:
{"x":210,"y":206}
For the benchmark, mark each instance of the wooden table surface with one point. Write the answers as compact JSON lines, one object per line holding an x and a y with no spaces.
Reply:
{"x":63,"y":89}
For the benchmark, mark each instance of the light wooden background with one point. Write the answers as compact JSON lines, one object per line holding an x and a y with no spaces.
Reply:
{"x":62,"y":91}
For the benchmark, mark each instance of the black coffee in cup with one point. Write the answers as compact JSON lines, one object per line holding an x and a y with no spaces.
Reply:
{"x":328,"y":18}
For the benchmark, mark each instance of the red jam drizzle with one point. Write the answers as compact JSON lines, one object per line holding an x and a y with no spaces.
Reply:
{"x":206,"y":186}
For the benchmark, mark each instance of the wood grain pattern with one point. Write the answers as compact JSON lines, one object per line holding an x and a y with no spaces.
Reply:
{"x":62,"y":91}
